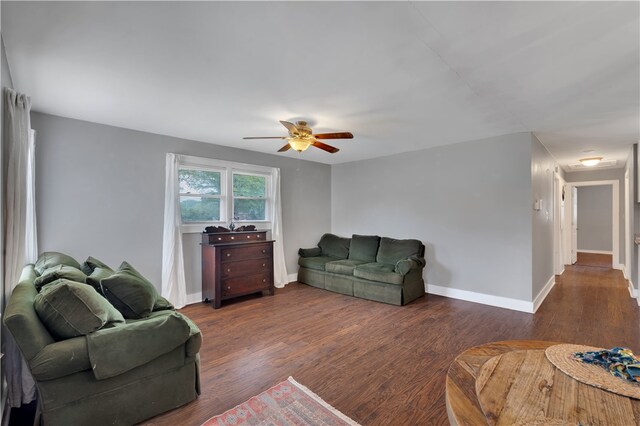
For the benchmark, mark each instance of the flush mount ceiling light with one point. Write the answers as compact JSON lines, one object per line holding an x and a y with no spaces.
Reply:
{"x":591,"y":161}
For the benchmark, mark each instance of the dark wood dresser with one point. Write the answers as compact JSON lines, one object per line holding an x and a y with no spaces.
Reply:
{"x":235,"y":264}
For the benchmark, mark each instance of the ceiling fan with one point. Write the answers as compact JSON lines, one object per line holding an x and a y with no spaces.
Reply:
{"x":301,"y":137}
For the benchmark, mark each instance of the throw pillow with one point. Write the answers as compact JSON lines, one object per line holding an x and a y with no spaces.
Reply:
{"x":70,"y":309}
{"x":132,"y":294}
{"x":56,"y":272}
{"x":91,"y":264}
{"x":162,"y":304}
{"x":52,"y":258}
{"x":97,"y":276}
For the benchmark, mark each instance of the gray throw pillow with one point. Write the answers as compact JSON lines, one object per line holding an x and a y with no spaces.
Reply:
{"x":70,"y":309}
{"x":56,"y":272}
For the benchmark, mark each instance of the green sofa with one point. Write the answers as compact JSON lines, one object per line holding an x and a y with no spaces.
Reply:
{"x":126,"y":371}
{"x":366,"y":266}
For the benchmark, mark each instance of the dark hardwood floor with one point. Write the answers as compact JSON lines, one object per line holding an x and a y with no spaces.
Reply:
{"x":594,"y":259}
{"x":381,"y":364}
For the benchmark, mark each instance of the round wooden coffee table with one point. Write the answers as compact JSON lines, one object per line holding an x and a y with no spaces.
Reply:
{"x":523,"y":387}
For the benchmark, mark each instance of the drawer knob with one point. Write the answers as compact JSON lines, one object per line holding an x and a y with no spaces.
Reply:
{"x":257,"y":236}
{"x":264,"y":264}
{"x":229,"y":270}
{"x":248,"y":236}
{"x":233,"y":238}
{"x":264,"y":251}
{"x":264,"y":280}
{"x":228,"y":254}
{"x":219,"y":238}
{"x":228,"y":287}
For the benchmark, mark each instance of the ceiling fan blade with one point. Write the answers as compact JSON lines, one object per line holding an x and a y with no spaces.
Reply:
{"x":265,"y":137}
{"x":338,"y":135}
{"x":285,"y":148}
{"x":290,"y":127}
{"x":325,"y":147}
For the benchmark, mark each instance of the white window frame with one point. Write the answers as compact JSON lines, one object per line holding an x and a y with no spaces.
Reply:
{"x":267,"y":195}
{"x":222,"y":196}
{"x":227,"y":169}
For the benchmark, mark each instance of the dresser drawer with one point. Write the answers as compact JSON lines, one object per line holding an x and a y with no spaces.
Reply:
{"x":249,"y":251}
{"x":234,"y":237}
{"x":246,"y":267}
{"x":243,"y":285}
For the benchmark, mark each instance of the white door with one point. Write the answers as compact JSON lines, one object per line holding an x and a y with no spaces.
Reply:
{"x":574,"y":224}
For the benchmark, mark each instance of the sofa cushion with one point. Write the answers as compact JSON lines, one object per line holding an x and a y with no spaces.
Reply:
{"x":334,"y":246}
{"x":70,"y":309}
{"x":132,"y":294}
{"x":343,"y":267}
{"x":53,"y":258}
{"x":92,"y":263}
{"x":318,"y":263}
{"x":391,"y":251}
{"x":56,"y":272}
{"x":97,"y":276}
{"x":378,"y":272}
{"x":364,"y":248}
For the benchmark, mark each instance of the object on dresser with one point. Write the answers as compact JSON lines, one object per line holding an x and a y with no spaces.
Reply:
{"x":214,"y":229}
{"x":236,"y":264}
{"x":245,"y":228}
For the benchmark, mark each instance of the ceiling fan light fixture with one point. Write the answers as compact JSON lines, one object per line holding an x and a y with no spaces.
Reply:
{"x":591,"y":161}
{"x":299,"y":144}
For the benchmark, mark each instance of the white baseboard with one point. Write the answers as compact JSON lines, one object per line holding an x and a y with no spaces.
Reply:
{"x":632,"y":291}
{"x":485,"y":299}
{"x":619,"y":266}
{"x":543,"y":293}
{"x":595,"y":251}
{"x":293,"y":277}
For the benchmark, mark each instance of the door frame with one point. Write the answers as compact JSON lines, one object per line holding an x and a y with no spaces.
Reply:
{"x":558,"y":224}
{"x":615,"y":209}
{"x":628,"y":246}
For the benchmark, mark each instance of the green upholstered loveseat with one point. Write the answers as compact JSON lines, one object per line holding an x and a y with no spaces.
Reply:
{"x":366,"y":266}
{"x":118,"y":375}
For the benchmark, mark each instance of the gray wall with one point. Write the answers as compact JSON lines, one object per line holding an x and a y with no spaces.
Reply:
{"x":606,"y":174}
{"x":594,"y":218}
{"x":470,"y":204}
{"x":100,"y":192}
{"x":542,"y":169}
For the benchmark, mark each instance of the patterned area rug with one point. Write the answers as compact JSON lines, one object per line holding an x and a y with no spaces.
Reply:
{"x":286,"y":404}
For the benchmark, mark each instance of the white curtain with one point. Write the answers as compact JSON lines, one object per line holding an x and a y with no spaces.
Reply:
{"x":20,"y":230}
{"x":279,"y":265}
{"x":174,"y":286}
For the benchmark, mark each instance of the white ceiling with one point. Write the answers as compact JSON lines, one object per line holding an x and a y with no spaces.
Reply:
{"x":401,"y":76}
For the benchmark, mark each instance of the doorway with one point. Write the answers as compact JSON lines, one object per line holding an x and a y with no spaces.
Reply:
{"x":572,"y":199}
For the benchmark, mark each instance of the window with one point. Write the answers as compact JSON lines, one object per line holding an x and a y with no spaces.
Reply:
{"x":200,"y":193}
{"x":213,"y":191}
{"x":249,"y":197}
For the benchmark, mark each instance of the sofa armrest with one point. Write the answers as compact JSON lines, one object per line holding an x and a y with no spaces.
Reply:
{"x":405,"y":266}
{"x":60,"y":359}
{"x":195,"y":338}
{"x":116,"y":350}
{"x":310,"y":252}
